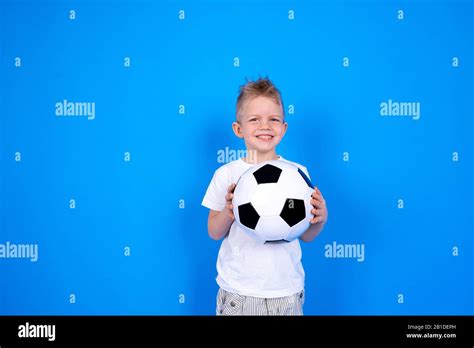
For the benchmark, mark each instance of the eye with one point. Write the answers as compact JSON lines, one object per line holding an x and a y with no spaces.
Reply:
{"x":275,"y":120}
{"x":253,"y":119}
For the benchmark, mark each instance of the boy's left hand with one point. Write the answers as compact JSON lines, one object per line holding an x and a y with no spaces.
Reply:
{"x":319,"y":210}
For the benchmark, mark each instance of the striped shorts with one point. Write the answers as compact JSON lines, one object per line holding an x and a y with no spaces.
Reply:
{"x":229,"y":303}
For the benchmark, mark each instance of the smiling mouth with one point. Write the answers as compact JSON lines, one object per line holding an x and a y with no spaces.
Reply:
{"x":265,"y":136}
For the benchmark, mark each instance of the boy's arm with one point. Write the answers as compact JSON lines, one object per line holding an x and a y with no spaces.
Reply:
{"x":219,"y":223}
{"x":312,"y":232}
{"x":320,"y":216}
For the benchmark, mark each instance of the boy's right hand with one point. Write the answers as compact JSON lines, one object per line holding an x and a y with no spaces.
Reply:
{"x":228,"y":197}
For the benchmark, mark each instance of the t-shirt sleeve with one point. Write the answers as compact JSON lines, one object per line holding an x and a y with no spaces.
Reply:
{"x":215,"y":195}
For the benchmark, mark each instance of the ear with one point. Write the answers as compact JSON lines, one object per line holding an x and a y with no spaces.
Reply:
{"x":237,"y":128}
{"x":285,"y":127}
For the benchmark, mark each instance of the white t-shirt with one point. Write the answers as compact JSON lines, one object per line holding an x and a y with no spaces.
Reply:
{"x":244,"y":265}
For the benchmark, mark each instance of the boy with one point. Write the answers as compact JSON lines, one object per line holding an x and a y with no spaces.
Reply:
{"x":256,"y":278}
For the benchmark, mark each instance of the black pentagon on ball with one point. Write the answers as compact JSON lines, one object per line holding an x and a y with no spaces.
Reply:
{"x":248,"y":215}
{"x":310,"y":184}
{"x":268,"y":174}
{"x":293,"y":211}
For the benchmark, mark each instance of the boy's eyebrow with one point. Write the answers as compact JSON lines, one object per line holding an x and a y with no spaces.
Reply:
{"x":253,"y":115}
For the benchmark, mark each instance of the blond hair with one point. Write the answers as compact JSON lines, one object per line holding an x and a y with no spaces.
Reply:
{"x":262,"y":87}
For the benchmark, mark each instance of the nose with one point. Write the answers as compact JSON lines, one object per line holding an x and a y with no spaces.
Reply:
{"x":265,"y":124}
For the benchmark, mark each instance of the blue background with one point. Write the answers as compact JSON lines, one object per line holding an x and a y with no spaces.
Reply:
{"x":189,"y":62}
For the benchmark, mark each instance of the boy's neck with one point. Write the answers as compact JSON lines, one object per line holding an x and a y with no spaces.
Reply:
{"x":255,"y":157}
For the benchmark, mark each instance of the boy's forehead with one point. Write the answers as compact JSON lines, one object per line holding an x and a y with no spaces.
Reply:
{"x":262,"y":106}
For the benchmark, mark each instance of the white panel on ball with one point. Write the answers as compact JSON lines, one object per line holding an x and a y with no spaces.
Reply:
{"x":268,"y":200}
{"x":271,"y":229}
{"x":291,"y":180}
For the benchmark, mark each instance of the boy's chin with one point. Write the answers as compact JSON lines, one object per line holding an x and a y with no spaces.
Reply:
{"x":262,"y":148}
{"x":262,"y":151}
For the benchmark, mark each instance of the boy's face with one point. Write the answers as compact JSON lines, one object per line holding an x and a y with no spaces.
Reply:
{"x":261,"y":125}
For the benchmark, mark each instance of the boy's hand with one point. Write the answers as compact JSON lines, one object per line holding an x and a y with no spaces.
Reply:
{"x":320,"y":211}
{"x":228,"y":197}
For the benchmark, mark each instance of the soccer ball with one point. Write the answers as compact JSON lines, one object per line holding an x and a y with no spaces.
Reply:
{"x":272,"y":202}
